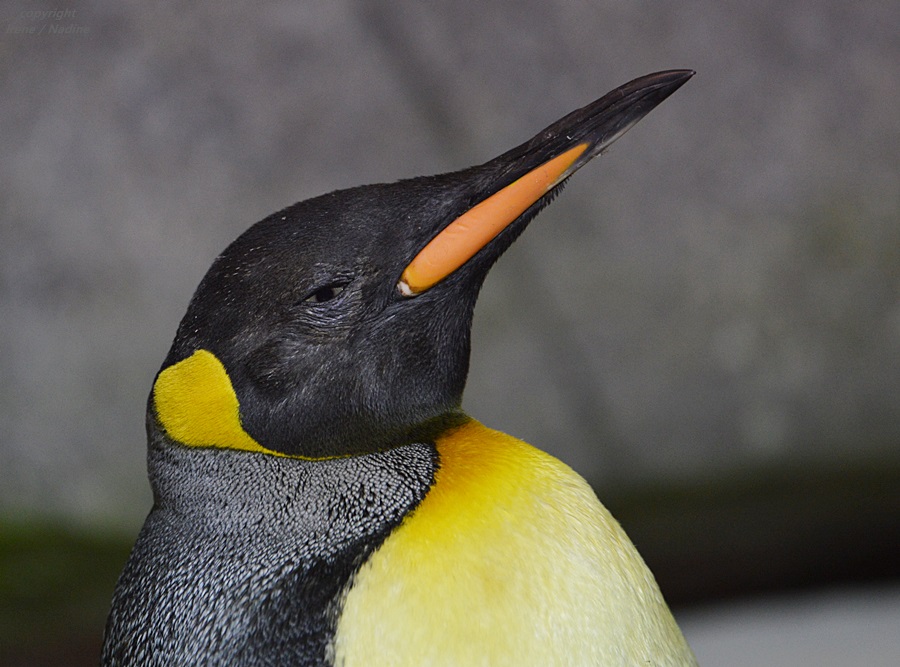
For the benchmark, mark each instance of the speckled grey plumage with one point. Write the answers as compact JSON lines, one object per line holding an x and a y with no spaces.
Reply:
{"x":245,"y":557}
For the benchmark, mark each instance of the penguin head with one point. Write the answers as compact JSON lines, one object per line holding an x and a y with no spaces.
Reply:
{"x":341,"y":324}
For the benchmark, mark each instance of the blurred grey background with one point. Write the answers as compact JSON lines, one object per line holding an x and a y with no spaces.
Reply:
{"x":713,"y":305}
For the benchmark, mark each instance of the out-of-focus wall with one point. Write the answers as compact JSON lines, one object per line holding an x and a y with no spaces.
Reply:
{"x":720,"y":290}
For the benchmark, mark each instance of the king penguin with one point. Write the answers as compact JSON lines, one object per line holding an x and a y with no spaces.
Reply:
{"x":320,"y":497}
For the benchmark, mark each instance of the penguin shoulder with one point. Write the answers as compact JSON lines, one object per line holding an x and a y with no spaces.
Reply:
{"x":509,"y":559}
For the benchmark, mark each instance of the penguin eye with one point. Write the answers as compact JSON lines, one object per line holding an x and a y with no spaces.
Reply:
{"x":325,"y":293}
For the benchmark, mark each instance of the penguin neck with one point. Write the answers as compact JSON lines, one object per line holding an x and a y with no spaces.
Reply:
{"x":194,"y":403}
{"x":209,"y":482}
{"x":289,"y":530}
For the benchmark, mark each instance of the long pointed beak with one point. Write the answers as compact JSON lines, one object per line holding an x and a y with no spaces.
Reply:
{"x":535,"y":169}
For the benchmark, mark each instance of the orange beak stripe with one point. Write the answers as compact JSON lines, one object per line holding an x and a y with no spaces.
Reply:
{"x":464,"y":237}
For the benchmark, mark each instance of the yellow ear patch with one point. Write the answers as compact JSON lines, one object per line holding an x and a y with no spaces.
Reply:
{"x":197,"y":406}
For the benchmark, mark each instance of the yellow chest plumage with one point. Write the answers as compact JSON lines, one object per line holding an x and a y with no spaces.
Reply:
{"x":509,"y":560}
